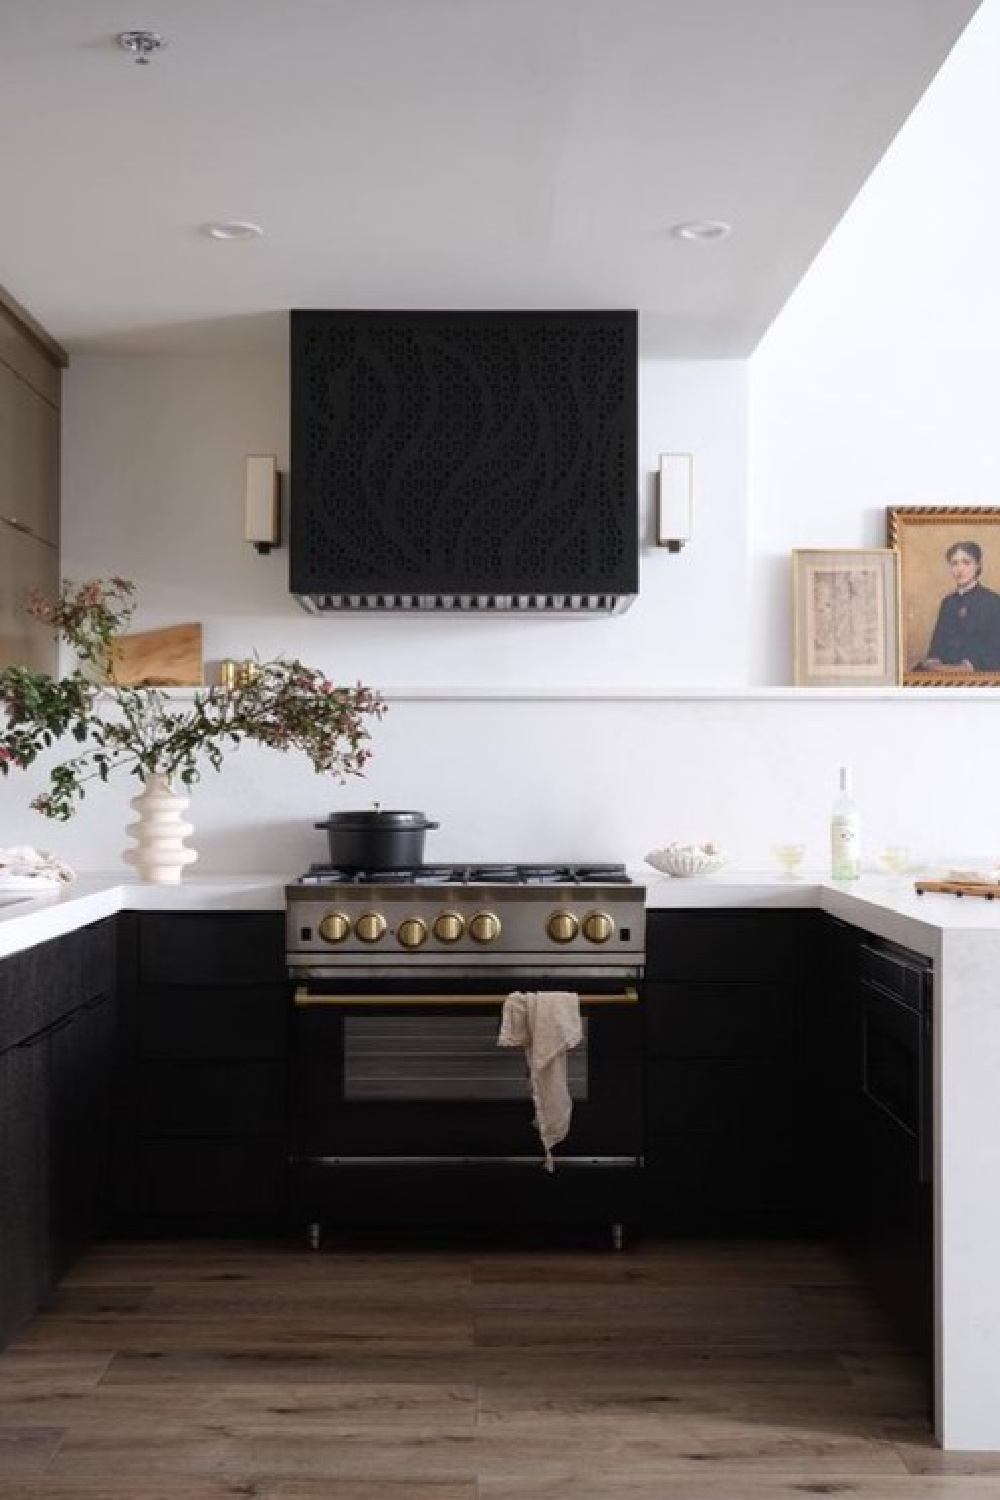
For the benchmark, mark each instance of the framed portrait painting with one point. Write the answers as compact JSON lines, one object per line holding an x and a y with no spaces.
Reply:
{"x":846,"y":617}
{"x":949,"y":571}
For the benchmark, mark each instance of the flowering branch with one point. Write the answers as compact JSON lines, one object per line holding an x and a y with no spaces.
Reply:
{"x":284,"y":705}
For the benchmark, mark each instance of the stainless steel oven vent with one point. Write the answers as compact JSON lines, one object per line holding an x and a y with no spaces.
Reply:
{"x":468,"y":604}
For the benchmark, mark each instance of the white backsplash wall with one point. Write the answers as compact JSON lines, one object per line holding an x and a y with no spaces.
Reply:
{"x":153,"y":463}
{"x":581,"y":779}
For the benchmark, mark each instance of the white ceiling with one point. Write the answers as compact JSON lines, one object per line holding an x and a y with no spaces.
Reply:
{"x":439,"y":153}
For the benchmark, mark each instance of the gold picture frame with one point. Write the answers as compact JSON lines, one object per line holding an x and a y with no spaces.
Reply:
{"x":949,"y":559}
{"x":845,"y":607}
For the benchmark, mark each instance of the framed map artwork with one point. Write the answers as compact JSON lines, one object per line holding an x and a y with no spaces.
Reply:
{"x":846,"y":617}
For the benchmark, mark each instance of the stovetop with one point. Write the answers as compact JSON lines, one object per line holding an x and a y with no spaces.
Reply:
{"x":470,"y":875}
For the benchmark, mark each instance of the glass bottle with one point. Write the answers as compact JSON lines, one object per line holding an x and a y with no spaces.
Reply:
{"x":845,"y":832}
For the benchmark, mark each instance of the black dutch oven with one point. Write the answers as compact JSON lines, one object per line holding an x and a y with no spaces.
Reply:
{"x":376,"y":840}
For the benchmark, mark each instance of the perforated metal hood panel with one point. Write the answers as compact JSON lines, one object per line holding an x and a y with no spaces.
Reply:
{"x":464,"y":461}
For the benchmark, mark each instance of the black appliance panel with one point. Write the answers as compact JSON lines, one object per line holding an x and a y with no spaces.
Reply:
{"x":896,"y":1051}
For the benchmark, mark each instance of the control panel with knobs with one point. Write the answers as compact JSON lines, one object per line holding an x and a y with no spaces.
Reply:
{"x":448,"y":927}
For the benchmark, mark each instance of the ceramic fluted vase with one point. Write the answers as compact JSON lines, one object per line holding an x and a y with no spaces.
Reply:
{"x":159,"y":831}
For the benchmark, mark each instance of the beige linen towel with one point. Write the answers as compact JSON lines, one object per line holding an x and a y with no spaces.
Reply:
{"x":546,"y":1023}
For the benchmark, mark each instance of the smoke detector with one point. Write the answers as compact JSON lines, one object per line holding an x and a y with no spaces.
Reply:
{"x":141,"y":44}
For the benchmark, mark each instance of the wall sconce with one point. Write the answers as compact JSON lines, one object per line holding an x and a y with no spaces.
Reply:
{"x":262,"y":502}
{"x":675,"y":500}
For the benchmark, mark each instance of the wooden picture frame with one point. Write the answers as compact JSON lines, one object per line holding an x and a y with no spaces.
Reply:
{"x":949,"y":561}
{"x":846,"y":616}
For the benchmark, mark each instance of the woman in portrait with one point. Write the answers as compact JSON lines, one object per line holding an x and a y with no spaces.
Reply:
{"x":967,"y":634}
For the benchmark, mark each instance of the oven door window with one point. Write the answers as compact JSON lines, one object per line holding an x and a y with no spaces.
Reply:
{"x":374,"y":1079}
{"x":438,"y":1058}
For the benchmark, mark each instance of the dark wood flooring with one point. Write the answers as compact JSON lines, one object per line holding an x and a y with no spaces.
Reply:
{"x":398,"y":1370}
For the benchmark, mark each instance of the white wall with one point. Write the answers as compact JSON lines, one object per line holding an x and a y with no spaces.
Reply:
{"x":153,"y":460}
{"x":876,"y":386}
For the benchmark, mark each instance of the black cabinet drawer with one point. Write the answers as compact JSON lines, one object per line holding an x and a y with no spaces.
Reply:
{"x":217,"y":948}
{"x":720,"y":1020}
{"x":735,"y":1099}
{"x":233,"y":1099}
{"x":199,"y":1021}
{"x":734,"y":945}
{"x":211,"y":1177}
{"x":900,"y":974}
{"x":702,"y":1185}
{"x":41,"y":985}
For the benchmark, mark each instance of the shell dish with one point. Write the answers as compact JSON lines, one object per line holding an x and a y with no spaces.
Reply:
{"x":686,"y":859}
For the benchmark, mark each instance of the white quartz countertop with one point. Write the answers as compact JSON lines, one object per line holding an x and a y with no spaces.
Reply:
{"x":27,"y":921}
{"x":884,"y":904}
{"x":887,"y":905}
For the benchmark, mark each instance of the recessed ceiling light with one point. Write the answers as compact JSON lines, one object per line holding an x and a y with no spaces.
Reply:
{"x":702,"y":230}
{"x":232,"y":229}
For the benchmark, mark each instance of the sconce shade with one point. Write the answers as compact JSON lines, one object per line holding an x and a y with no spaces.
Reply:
{"x":675,"y":501}
{"x":262,"y":501}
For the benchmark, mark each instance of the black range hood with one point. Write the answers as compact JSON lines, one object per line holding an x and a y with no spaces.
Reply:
{"x":464,"y":461}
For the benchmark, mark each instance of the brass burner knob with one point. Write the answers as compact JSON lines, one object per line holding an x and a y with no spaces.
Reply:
{"x":562,"y":927}
{"x":370,"y":927}
{"x":448,"y":927}
{"x":485,"y":927}
{"x":334,"y":927}
{"x":412,"y":932}
{"x":598,"y":927}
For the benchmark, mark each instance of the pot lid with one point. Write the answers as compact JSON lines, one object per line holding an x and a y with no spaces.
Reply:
{"x":378,"y":819}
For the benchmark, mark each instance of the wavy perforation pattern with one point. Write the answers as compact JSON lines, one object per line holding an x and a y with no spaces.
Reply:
{"x":464,"y":452}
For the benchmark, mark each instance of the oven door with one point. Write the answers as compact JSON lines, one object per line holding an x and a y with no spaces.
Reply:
{"x":416,"y":1077}
{"x":406,"y":1112}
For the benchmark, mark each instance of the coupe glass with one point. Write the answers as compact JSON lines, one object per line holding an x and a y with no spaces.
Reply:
{"x":789,"y":857}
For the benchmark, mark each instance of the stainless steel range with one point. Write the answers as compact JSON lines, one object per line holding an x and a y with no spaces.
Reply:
{"x":587,"y":921}
{"x":404,"y":1109}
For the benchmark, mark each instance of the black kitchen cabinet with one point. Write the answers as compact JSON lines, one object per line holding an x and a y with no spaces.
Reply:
{"x":56,"y":1041}
{"x":729,"y":1125}
{"x":880,"y":1149}
{"x":204,"y":1009}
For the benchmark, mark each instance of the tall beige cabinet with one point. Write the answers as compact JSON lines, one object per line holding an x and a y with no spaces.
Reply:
{"x":31,"y":366}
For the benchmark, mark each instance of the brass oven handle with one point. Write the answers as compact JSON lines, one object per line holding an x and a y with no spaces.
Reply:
{"x":303,"y":996}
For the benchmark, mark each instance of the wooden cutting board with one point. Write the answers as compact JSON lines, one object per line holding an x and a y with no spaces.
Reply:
{"x":159,"y":658}
{"x":988,"y":890}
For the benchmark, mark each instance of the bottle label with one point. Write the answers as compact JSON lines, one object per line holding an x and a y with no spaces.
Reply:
{"x":845,"y":848}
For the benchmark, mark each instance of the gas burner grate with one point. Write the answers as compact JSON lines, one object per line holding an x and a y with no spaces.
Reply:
{"x":471,"y":874}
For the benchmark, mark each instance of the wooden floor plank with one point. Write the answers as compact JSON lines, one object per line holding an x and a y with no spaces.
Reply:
{"x":201,"y":1370}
